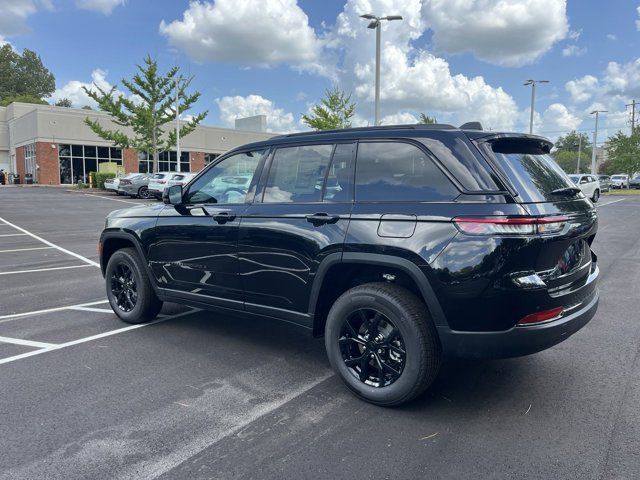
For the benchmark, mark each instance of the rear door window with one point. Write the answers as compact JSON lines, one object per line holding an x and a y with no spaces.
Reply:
{"x":297,"y":174}
{"x":396,"y":171}
{"x":532,"y":172}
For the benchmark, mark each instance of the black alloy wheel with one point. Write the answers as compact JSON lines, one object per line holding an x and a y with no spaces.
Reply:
{"x":372,"y":348}
{"x":143,"y":193}
{"x":124,"y":287}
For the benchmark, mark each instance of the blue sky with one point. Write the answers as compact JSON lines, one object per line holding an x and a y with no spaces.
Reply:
{"x":460,"y":61}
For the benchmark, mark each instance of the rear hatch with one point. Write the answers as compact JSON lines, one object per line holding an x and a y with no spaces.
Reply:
{"x":565,"y":260}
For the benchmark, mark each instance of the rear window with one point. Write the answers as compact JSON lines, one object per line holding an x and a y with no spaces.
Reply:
{"x":158,"y":176}
{"x":531,"y":171}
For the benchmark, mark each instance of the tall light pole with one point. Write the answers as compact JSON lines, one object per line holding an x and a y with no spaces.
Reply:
{"x":595,"y":141}
{"x":177,"y":80}
{"x":579,"y":152}
{"x":376,"y":24}
{"x":533,"y":99}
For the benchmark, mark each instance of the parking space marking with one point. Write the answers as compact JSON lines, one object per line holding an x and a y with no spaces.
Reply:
{"x":13,"y":316}
{"x":47,"y":242}
{"x":54,"y":347}
{"x":26,"y":343}
{"x":14,"y":235}
{"x":24,"y":249}
{"x":609,"y":203}
{"x":44,"y":269}
{"x":112,"y":199}
{"x":89,"y":309}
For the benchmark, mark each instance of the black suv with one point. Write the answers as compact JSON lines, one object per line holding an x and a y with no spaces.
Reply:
{"x":401,"y":245}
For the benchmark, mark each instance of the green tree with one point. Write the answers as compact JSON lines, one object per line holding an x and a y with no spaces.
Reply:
{"x":427,"y":120}
{"x":624,"y":153}
{"x":87,"y":107}
{"x":4,"y":101}
{"x":146,"y":111}
{"x":566,"y":153}
{"x":64,"y":102}
{"x":24,"y":75}
{"x":333,"y":112}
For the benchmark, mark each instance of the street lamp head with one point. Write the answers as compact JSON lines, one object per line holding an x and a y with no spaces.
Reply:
{"x":369,"y":16}
{"x":392,"y":17}
{"x":374,"y":24}
{"x":598,"y":111}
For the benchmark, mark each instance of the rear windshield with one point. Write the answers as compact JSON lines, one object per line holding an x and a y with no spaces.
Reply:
{"x":618,"y":177}
{"x":158,"y":176}
{"x":529,"y":168}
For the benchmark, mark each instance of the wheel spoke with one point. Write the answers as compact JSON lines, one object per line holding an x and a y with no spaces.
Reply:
{"x":389,"y":369}
{"x":351,"y":329}
{"x":398,"y":350}
{"x":352,"y":362}
{"x":344,"y":340}
{"x":364,"y":368}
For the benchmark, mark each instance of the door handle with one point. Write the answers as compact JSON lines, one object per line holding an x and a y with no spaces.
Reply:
{"x":321,"y":218}
{"x":224,"y":217}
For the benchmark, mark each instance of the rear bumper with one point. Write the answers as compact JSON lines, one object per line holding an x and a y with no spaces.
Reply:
{"x":155,"y":193}
{"x":519,"y":340}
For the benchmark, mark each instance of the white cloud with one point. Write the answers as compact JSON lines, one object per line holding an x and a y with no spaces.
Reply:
{"x":238,"y":107}
{"x":73,"y":90}
{"x":573,"y":51}
{"x":582,"y":89}
{"x":557,"y":117}
{"x":14,"y":14}
{"x":638,"y":21}
{"x":612,"y":37}
{"x":503,"y":32}
{"x":400,"y":118}
{"x":102,"y":6}
{"x":623,"y":79}
{"x":268,"y":32}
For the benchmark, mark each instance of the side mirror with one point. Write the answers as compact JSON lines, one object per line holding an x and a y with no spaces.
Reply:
{"x":173,"y":195}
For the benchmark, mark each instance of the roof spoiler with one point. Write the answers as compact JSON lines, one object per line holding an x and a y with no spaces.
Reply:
{"x":471,"y":126}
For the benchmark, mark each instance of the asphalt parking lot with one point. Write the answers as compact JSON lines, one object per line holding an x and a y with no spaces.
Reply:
{"x":197,"y":395}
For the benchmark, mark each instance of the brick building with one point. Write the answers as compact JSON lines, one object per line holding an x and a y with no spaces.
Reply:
{"x":55,"y":147}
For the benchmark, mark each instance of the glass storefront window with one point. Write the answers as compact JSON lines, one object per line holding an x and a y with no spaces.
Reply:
{"x":78,"y":161}
{"x":167,"y":162}
{"x":65,"y":170}
{"x":76,"y":150}
{"x":90,"y":151}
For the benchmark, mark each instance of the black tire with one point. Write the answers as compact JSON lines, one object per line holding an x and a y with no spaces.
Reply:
{"x":596,"y":196}
{"x":417,"y":334}
{"x":146,"y":305}
{"x":143,"y":192}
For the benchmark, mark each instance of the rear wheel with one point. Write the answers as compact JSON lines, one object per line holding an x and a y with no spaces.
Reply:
{"x":382,"y":343}
{"x":596,"y":196}
{"x":129,"y":289}
{"x":143,"y":192}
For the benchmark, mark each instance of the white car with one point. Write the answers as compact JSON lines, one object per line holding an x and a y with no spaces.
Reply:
{"x":161,"y":181}
{"x":588,"y":184}
{"x":620,"y":181}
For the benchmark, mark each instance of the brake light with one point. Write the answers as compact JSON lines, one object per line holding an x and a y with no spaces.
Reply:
{"x":511,"y":225}
{"x":161,"y":181}
{"x":540,"y":317}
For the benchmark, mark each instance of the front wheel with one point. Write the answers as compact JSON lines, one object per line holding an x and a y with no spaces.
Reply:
{"x":129,"y":289}
{"x":596,"y":196}
{"x":382,"y":343}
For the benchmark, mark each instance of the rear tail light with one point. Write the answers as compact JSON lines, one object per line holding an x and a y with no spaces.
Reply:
{"x":540,"y":317}
{"x":161,"y":181}
{"x":511,"y":225}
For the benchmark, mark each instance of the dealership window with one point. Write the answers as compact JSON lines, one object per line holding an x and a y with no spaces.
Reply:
{"x":78,"y":161}
{"x":210,"y":157}
{"x":30,"y":160}
{"x":167,"y":162}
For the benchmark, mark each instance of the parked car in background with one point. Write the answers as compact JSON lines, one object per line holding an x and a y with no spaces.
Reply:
{"x":635,"y":182}
{"x":135,"y":186}
{"x":422,"y":242}
{"x":588,"y":184}
{"x":620,"y":181}
{"x":157,"y":183}
{"x":605,"y":183}
{"x":111,"y":184}
{"x":180,"y":179}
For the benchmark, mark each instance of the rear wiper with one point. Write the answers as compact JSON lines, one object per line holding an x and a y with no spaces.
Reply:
{"x":566,"y":191}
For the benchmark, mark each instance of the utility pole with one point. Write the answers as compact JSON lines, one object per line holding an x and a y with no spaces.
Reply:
{"x":633,"y":115}
{"x":376,"y":23}
{"x":579,"y":152}
{"x":533,"y":99}
{"x":177,"y":128}
{"x":595,"y":141}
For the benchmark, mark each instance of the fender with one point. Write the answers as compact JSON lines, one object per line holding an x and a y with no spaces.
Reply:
{"x":403,"y":264}
{"x":121,"y":234}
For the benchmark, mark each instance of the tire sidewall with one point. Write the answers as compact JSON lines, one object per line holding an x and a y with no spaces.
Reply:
{"x":410,"y":374}
{"x":143,"y":192}
{"x":121,"y":257}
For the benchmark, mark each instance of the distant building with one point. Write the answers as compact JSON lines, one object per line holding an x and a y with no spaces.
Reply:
{"x":257,"y":123}
{"x":55,"y":146}
{"x":602,"y":155}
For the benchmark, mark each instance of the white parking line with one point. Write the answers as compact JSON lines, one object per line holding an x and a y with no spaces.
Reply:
{"x":112,"y":199}
{"x":26,"y":343}
{"x":13,"y":316}
{"x":47,"y":242}
{"x":93,"y":337}
{"x":25,"y":249}
{"x":89,"y":309}
{"x":13,"y":235}
{"x":44,"y":269}
{"x":609,"y":203}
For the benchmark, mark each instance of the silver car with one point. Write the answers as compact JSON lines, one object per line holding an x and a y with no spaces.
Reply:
{"x":135,"y":186}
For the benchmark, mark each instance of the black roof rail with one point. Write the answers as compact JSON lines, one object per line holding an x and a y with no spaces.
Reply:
{"x":418,"y":126}
{"x":471,"y":126}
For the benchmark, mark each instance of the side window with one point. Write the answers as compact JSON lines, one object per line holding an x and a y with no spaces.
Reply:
{"x":297,"y":174}
{"x":226,"y":182}
{"x":394,"y":171}
{"x":339,"y":184}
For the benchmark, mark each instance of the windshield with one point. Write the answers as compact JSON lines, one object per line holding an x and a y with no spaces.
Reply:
{"x":618,"y":177}
{"x":531,"y":171}
{"x":574,"y":178}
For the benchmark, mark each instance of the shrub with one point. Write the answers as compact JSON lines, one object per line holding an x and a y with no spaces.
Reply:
{"x":99,"y":178}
